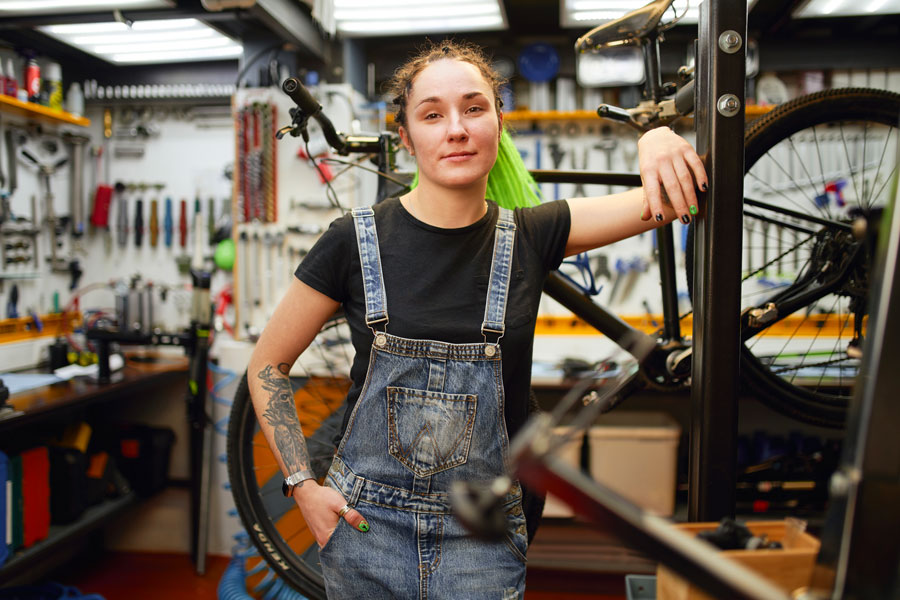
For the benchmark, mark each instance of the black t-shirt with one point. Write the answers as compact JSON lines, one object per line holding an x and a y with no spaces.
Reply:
{"x":436,"y":283}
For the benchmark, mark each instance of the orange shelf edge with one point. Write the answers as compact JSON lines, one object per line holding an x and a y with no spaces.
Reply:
{"x":41,"y":113}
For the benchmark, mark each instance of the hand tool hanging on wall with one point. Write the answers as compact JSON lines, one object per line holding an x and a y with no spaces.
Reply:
{"x":196,"y":223}
{"x":270,"y":154}
{"x":168,"y":225}
{"x":197,"y":259}
{"x":607,"y":144}
{"x":211,"y":220}
{"x":182,"y":225}
{"x":10,"y":137}
{"x":579,"y":189}
{"x":12,"y":311}
{"x":121,"y":215}
{"x":242,"y":212}
{"x":556,"y":154}
{"x":57,"y":263}
{"x":138,"y":222}
{"x":154,"y":223}
{"x":77,"y":143}
{"x":102,"y":195}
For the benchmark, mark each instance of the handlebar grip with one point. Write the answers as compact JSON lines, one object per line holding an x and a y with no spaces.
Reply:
{"x":684,"y":99}
{"x":607,"y":111}
{"x":301,"y":96}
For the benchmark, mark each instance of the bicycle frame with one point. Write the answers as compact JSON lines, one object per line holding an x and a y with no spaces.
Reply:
{"x":670,"y":339}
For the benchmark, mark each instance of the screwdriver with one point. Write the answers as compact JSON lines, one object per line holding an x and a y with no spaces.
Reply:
{"x":154,"y":223}
{"x":182,"y":224}
{"x":123,"y":215}
{"x":211,"y":219}
{"x":167,"y":222}
{"x":138,"y":222}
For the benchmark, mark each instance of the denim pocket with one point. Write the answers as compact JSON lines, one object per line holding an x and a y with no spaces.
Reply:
{"x":342,"y":522}
{"x":429,"y":432}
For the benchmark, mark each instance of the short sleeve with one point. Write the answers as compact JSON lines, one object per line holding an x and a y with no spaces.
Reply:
{"x":546,"y":228}
{"x":326,"y":267}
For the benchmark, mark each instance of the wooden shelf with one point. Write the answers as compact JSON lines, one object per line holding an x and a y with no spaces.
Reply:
{"x":94,"y":517}
{"x":37,"y":112}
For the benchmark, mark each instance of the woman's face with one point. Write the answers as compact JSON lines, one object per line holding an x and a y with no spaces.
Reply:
{"x":452,"y":124}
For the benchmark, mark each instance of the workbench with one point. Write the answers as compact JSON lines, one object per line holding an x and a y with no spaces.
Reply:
{"x":143,"y":377}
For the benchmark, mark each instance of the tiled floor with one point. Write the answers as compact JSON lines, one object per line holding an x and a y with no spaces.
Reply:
{"x":147,"y":576}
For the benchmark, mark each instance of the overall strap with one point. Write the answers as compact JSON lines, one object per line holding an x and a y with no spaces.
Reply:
{"x":501,"y":268}
{"x":370,"y":262}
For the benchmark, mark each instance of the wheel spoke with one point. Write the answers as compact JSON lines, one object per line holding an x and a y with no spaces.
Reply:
{"x":887,"y":140}
{"x":808,"y":176}
{"x":849,"y":164}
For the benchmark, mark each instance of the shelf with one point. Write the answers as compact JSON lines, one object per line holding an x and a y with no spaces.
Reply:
{"x":24,"y":328}
{"x":93,"y":518}
{"x":37,"y":112}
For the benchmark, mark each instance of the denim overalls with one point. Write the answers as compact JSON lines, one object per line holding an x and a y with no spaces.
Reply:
{"x":430,"y":413}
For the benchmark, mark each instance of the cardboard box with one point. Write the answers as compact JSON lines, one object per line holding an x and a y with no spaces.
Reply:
{"x":570,"y":453}
{"x":789,"y":568}
{"x":635,"y":454}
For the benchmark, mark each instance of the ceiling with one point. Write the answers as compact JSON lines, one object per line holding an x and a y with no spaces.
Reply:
{"x":529,"y":20}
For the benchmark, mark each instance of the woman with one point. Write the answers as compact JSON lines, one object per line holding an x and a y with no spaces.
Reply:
{"x":441,"y":289}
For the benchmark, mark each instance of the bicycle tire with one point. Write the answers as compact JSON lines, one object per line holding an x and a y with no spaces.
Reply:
{"x":826,"y":405}
{"x":273,"y":522}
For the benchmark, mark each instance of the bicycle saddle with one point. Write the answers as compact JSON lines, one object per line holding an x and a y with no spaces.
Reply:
{"x":627,"y":29}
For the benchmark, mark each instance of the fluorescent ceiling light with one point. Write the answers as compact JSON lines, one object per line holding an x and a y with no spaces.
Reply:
{"x":579,"y":14}
{"x":35,"y":7}
{"x":146,"y":42}
{"x":846,"y":8}
{"x":358,"y":18}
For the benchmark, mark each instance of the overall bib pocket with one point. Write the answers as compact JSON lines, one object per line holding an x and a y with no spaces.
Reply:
{"x":429,"y":432}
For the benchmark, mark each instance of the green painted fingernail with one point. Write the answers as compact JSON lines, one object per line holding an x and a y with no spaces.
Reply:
{"x":363,"y":526}
{"x":642,"y":214}
{"x":693,"y":209}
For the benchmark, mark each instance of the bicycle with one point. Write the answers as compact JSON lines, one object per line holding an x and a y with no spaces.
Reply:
{"x":819,"y":268}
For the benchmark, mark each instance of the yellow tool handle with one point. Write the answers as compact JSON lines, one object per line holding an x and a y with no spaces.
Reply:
{"x":154,"y":223}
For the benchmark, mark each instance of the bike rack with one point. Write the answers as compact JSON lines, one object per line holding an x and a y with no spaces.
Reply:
{"x":719,"y":122}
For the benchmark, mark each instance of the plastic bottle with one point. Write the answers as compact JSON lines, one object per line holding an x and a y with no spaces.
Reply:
{"x":11,"y":83}
{"x":75,"y":100}
{"x":53,"y":85}
{"x":33,"y":80}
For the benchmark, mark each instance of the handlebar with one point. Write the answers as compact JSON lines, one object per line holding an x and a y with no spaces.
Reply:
{"x":308,"y":107}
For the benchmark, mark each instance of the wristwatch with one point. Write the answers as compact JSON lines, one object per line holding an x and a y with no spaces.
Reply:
{"x":295,"y":479}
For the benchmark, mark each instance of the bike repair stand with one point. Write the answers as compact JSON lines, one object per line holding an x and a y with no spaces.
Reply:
{"x":200,"y":418}
{"x":196,"y":344}
{"x":719,"y":122}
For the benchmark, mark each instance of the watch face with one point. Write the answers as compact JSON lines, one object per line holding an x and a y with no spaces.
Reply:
{"x":286,"y":489}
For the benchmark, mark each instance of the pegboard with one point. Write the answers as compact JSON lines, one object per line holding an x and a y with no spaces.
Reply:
{"x":269,"y":249}
{"x":185,"y":149}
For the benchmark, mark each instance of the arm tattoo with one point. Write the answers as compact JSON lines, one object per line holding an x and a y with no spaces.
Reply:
{"x":281,"y":414}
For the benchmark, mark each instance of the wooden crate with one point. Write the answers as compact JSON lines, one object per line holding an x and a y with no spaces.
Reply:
{"x":789,"y":568}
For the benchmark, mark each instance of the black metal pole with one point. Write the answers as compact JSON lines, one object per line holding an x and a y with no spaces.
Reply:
{"x":719,"y":120}
{"x":665,"y":248}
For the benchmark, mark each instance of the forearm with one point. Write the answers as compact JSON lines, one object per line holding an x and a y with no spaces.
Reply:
{"x":604,"y":220}
{"x":273,"y":401}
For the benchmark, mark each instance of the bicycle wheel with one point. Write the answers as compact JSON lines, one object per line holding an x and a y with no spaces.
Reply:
{"x":812,"y":165}
{"x":273,"y":522}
